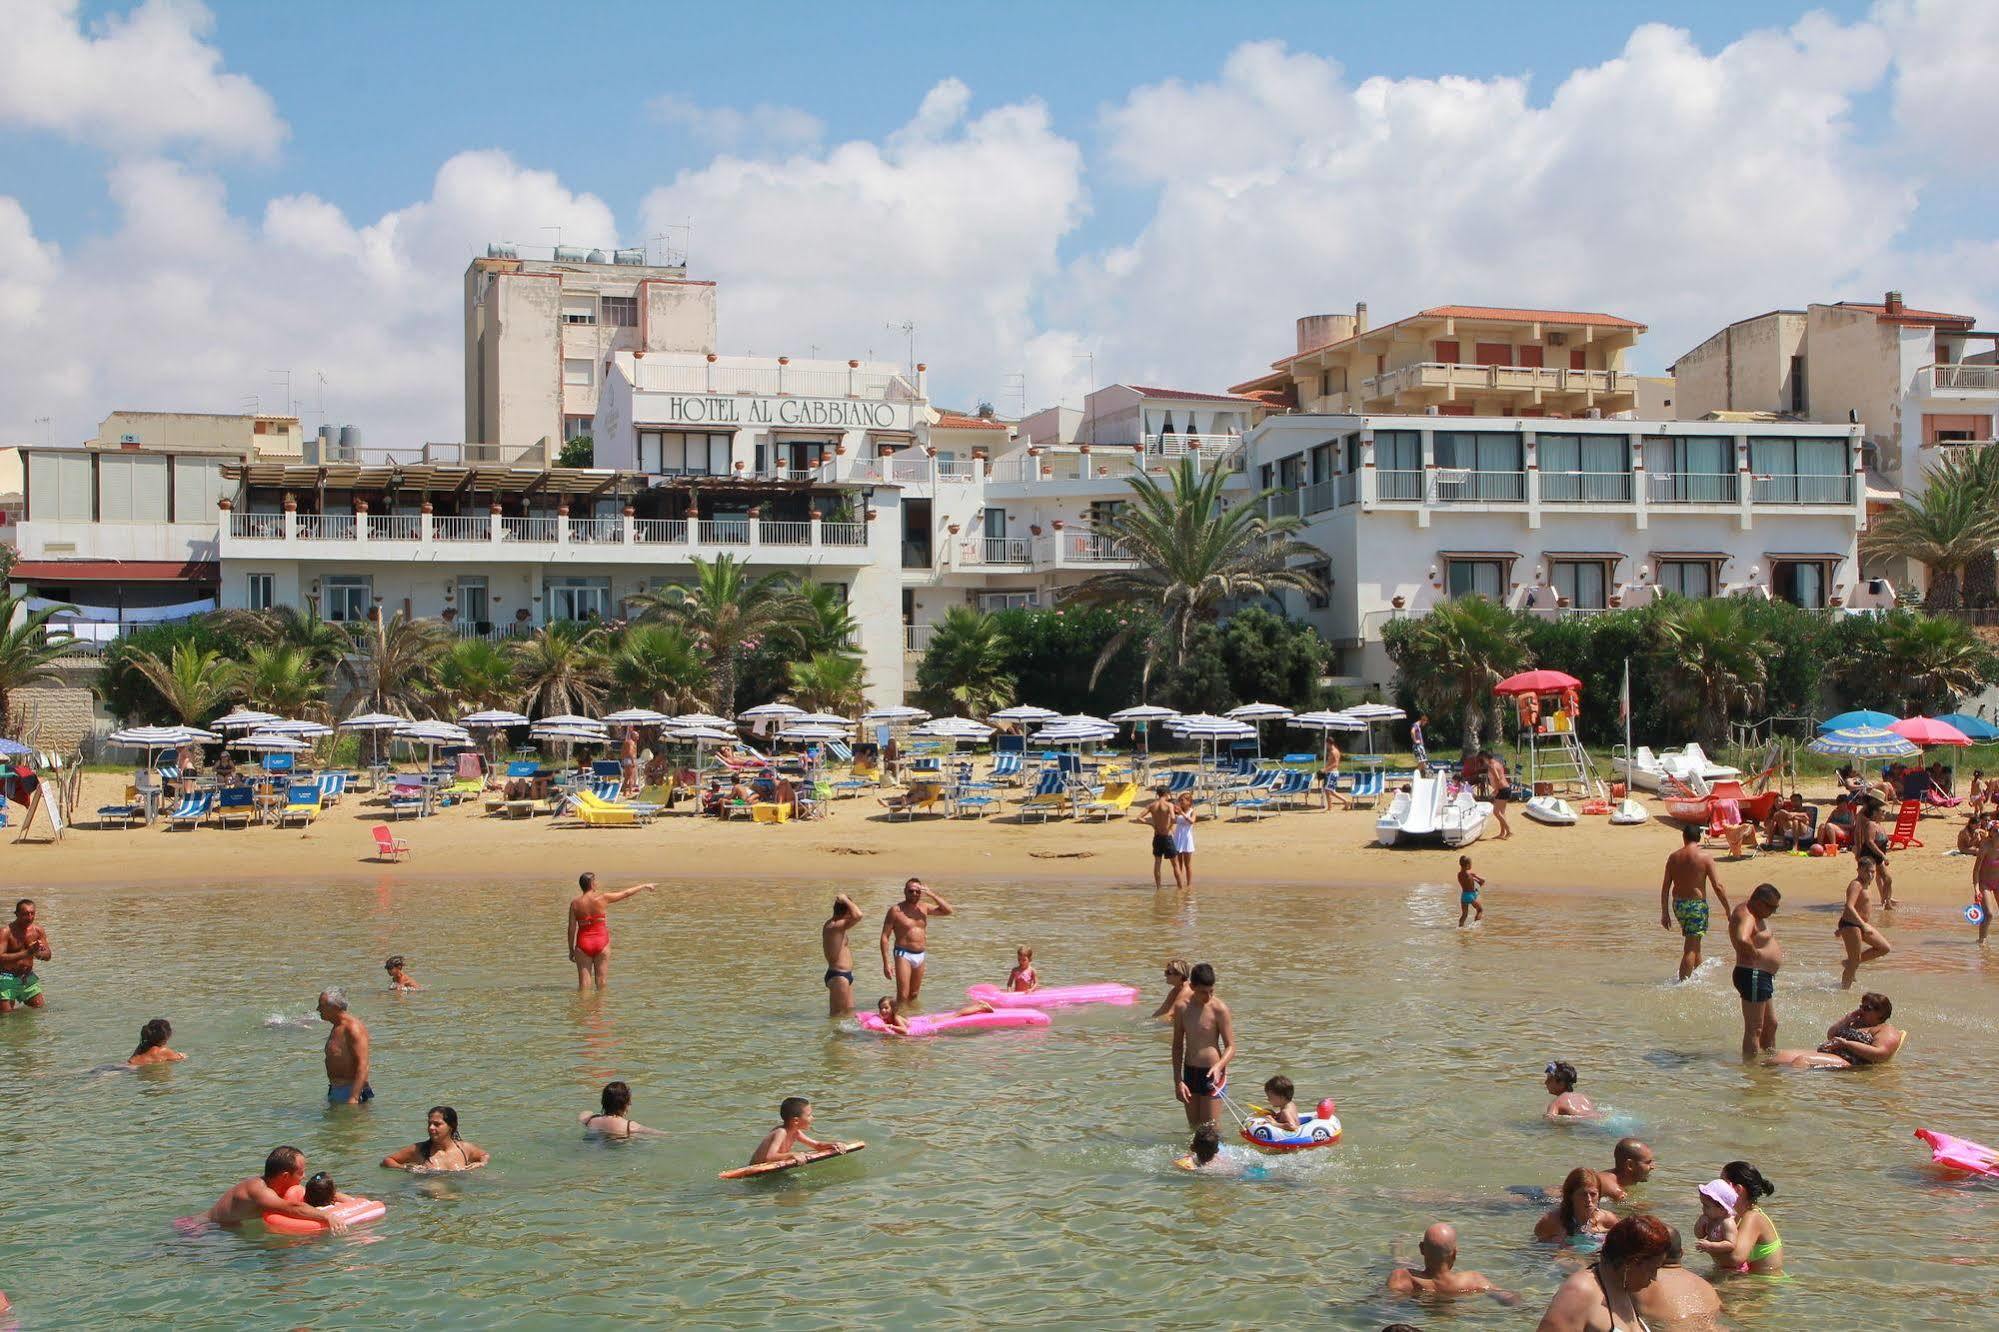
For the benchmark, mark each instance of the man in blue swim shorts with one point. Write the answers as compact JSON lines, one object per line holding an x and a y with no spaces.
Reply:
{"x":346,"y":1051}
{"x":1757,"y":959}
{"x":906,"y":937}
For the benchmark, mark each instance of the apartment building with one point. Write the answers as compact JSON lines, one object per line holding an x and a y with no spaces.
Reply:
{"x":123,"y":525}
{"x":540,"y":323}
{"x":1919,"y":382}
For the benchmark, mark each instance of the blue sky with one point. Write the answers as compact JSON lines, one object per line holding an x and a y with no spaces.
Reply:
{"x":1156,"y":190}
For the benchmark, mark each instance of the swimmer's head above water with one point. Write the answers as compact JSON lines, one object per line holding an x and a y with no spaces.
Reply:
{"x":1207,"y":1144}
{"x":281,"y":1162}
{"x":1561,"y":1076}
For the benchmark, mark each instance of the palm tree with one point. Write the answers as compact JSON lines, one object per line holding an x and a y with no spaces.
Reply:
{"x":729,"y":614}
{"x":282,"y":678}
{"x":393,"y":662}
{"x":1711,"y":663}
{"x":1194,"y":554}
{"x":325,"y":642}
{"x":1947,"y":528}
{"x":473,"y":674}
{"x":192,"y":683}
{"x":833,"y":682}
{"x":964,"y":668}
{"x":559,"y":670}
{"x":1929,"y":661}
{"x":27,"y":649}
{"x":826,"y":623}
{"x":658,"y":666}
{"x":1453,"y":656}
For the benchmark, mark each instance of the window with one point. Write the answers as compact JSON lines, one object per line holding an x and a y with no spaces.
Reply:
{"x":1583,"y":582}
{"x":579,"y":370}
{"x":1578,"y":360}
{"x":474,"y":606}
{"x":1447,"y":351}
{"x":1688,"y":578}
{"x":1691,"y":469}
{"x":579,"y":308}
{"x":1493,"y":353}
{"x":61,"y":487}
{"x":1955,"y":428}
{"x":1578,"y":469}
{"x":260,"y":591}
{"x":999,"y":601}
{"x":1798,"y":384}
{"x":1800,"y":582}
{"x":578,"y":598}
{"x":132,"y":488}
{"x":684,"y":452}
{"x":1398,"y":450}
{"x":620,"y":311}
{"x":995,"y":523}
{"x":1105,"y":512}
{"x":1469,"y":578}
{"x":348,"y":597}
{"x":1530,"y":355}
{"x":1480,"y":451}
{"x":1800,"y":471}
{"x":1322,"y":462}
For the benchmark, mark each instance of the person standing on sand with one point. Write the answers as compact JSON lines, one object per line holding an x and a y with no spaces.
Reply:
{"x":1499,"y":783}
{"x":1757,"y":959}
{"x":1683,"y":889}
{"x":346,"y":1051}
{"x":1416,"y":746}
{"x":22,"y":944}
{"x":839,"y":957}
{"x":1856,"y":926}
{"x":905,"y":939}
{"x":588,"y":928}
{"x":1183,"y":841}
{"x":1329,"y":779}
{"x":1159,"y":817}
{"x":1203,"y":1044}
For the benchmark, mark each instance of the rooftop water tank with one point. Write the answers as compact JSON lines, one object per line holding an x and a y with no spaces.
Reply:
{"x":571,"y":254}
{"x":350,"y":440}
{"x":599,"y":257}
{"x":637,"y":257}
{"x":498,"y":251}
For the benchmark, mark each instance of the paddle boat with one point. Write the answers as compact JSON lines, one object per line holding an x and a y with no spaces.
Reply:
{"x":1688,"y":767}
{"x":1430,"y":807}
{"x":1551,"y":810}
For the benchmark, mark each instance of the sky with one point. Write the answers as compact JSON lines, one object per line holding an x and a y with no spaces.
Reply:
{"x":209,"y":208}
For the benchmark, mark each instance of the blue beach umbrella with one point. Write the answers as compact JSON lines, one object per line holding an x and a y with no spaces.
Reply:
{"x":1864,"y":742}
{"x":1975,"y":730}
{"x":1859,"y":717}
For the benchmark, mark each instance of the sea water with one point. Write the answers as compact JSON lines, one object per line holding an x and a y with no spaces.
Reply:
{"x":1012,"y":1177}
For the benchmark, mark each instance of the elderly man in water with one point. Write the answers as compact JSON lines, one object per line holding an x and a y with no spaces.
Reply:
{"x":1439,"y":1274}
{"x":248,"y":1200}
{"x":1632,"y":1164}
{"x":346,"y":1051}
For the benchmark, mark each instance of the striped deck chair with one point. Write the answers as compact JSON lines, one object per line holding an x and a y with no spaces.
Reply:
{"x":1368,"y":786}
{"x":840,"y":750}
{"x":301,"y":803}
{"x":1294,"y":788}
{"x":1049,"y":795}
{"x":1181,"y":782}
{"x":332,"y":785}
{"x":1006,"y":768}
{"x":192,"y":809}
{"x":235,"y":804}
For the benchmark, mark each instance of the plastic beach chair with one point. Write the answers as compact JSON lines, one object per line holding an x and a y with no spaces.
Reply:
{"x":1905,"y":826}
{"x":301,"y":804}
{"x":192,"y":809}
{"x":388,"y":846}
{"x":1049,"y":795}
{"x":1367,"y":786}
{"x":235,"y":804}
{"x":1113,"y":800}
{"x":1006,"y":768}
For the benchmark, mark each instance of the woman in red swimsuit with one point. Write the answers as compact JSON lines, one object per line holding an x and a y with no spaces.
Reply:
{"x":590,"y":930}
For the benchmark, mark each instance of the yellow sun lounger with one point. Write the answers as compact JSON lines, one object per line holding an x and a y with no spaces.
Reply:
{"x":765,"y":812}
{"x":596,"y":813}
{"x":1115,"y":799}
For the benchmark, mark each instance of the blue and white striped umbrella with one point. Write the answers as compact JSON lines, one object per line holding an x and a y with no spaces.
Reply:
{"x":1327,"y":721}
{"x":1859,"y":717}
{"x":1864,"y":742}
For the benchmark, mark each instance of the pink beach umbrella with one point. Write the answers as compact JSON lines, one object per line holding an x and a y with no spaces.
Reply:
{"x":1928,"y":731}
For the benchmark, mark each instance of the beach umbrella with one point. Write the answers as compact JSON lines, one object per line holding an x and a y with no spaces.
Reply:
{"x":895,"y":714}
{"x":568,"y":719}
{"x":1256,"y":714}
{"x":1864,"y":742}
{"x":13,"y":748}
{"x":269,"y":742}
{"x":820,"y":719}
{"x":155,"y":738}
{"x":304,"y":730}
{"x":1025,"y":712}
{"x":431,"y":732}
{"x":774,"y":711}
{"x":1846,"y":721}
{"x":1976,"y":729}
{"x":807,"y":734}
{"x":1078,"y":719}
{"x":1141,"y":719}
{"x":1536,"y":682}
{"x":1074,"y":735}
{"x":1326,"y":721}
{"x":637,"y":717}
{"x":245,"y":719}
{"x":954,"y":728}
{"x":1372,"y":713}
{"x":1928,"y":731}
{"x":375,"y":723}
{"x":700,"y":736}
{"x":701,"y":719}
{"x":492,"y":720}
{"x":1206,"y":728}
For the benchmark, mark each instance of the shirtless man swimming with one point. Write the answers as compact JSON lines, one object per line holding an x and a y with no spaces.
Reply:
{"x":250,"y":1199}
{"x":839,"y":957}
{"x":1439,"y":1273}
{"x":22,"y":944}
{"x":1757,"y":958}
{"x":1159,"y":816}
{"x":346,"y":1052}
{"x":1203,"y":1044}
{"x":906,"y":937}
{"x":589,"y":929}
{"x":1683,"y":896}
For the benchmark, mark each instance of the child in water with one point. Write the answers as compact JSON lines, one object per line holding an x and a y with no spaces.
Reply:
{"x":1022,"y":980}
{"x":399,"y":979}
{"x":320,"y":1192}
{"x":1717,"y":1223}
{"x":789,"y":1137}
{"x":614,"y":1120}
{"x":1202,"y":1151}
{"x":1279,"y":1091}
{"x":1568,"y":1103}
{"x":898,"y":1025}
{"x":1468,"y":886}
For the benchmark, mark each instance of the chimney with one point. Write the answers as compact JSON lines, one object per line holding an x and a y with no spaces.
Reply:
{"x":1893,"y":302}
{"x":1359,"y":317}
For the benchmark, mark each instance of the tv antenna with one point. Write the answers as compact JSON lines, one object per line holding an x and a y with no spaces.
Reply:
{"x":685,"y":237}
{"x":1015,"y":387}
{"x":290,"y":408}
{"x":908,"y":330}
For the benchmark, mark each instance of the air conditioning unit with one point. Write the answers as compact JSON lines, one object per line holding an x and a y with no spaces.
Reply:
{"x":128,"y":439}
{"x":1558,"y":339}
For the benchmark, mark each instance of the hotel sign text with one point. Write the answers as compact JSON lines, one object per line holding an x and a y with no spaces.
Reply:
{"x":738,"y":409}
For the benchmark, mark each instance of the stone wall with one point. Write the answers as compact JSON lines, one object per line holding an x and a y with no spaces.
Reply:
{"x":60,"y":715}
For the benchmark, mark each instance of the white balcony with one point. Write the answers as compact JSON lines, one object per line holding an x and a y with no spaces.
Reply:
{"x":1980,"y":379}
{"x":541,"y":539}
{"x":657,"y":376}
{"x":43,"y":539}
{"x":1441,"y":377}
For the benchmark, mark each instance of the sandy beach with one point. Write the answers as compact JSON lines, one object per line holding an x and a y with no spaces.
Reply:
{"x":857,"y":844}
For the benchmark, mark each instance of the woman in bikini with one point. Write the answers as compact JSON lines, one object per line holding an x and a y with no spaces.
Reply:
{"x":153,"y":1049}
{"x":1756,"y":1246}
{"x":1602,"y":1297}
{"x":1985,"y":877}
{"x":590,"y":930}
{"x":1862,"y":1037}
{"x":441,"y":1150}
{"x":1577,"y":1216}
{"x":1856,"y":931}
{"x":614,"y":1120}
{"x":1867,"y":845}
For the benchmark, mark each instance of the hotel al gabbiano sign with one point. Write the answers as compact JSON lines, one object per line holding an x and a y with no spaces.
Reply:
{"x":733,"y":409}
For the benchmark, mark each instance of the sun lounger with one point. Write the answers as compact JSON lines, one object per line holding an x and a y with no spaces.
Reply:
{"x":332,"y":785}
{"x":122,"y":816}
{"x":1113,"y":800}
{"x":1049,"y":796}
{"x":974,"y":798}
{"x":235,"y":804}
{"x":192,"y":809}
{"x":301,"y":804}
{"x":1905,"y":826}
{"x":408,"y":798}
{"x":595,"y":813}
{"x":1006,"y":768}
{"x":1258,"y":786}
{"x":388,"y":846}
{"x":1367,"y":786}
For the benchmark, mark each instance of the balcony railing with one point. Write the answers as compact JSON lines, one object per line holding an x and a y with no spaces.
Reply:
{"x":1283,"y":504}
{"x":395,"y":527}
{"x":1789,"y":489}
{"x":1691,"y":488}
{"x":1090,"y":548}
{"x":528,"y":529}
{"x":916,"y":637}
{"x":660,"y":531}
{"x":804,"y":381}
{"x":1398,"y":485}
{"x":1585,"y":487}
{"x":257,"y":526}
{"x":843,"y":534}
{"x":997,"y":550}
{"x":957,"y":469}
{"x":596,"y":529}
{"x":725,"y":531}
{"x":325,"y":526}
{"x":782,"y":533}
{"x":1457,"y":485}
{"x":1211,"y":448}
{"x":1966,"y":378}
{"x":1495,"y":378}
{"x":1321,"y":495}
{"x":910,"y":471}
{"x":455,"y":528}
{"x":466,"y":531}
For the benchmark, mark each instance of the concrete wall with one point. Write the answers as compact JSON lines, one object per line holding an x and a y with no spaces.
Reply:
{"x":677,"y":316}
{"x":1853,"y":364}
{"x":523,"y":361}
{"x":1746,"y":367}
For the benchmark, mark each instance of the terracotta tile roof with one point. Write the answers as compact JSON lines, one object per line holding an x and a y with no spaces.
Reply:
{"x":127,"y":571}
{"x":1276,"y":399}
{"x":1146,"y":391}
{"x":959,"y":421}
{"x":1544,"y":316}
{"x":1908,"y":314}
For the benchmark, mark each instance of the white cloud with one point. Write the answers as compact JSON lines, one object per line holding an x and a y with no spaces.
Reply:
{"x":188,"y":306}
{"x":133,"y":82}
{"x":1945,"y":55}
{"x":728,"y":129}
{"x":1679,"y":187}
{"x":952,"y":222}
